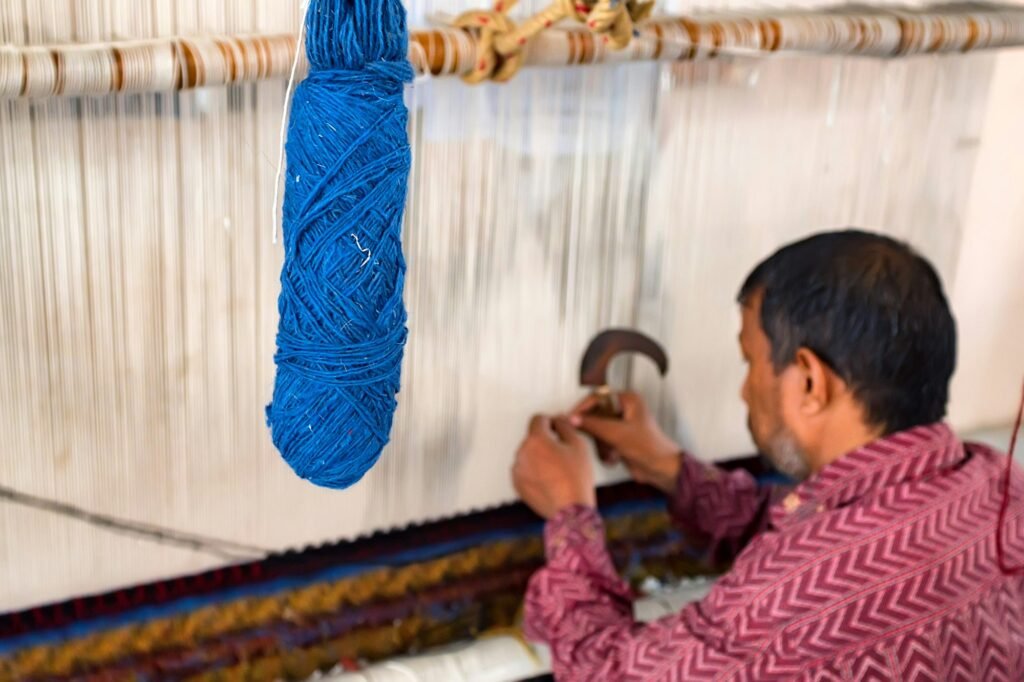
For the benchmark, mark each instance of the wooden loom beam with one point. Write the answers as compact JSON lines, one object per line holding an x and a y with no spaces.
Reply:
{"x":179,"y":63}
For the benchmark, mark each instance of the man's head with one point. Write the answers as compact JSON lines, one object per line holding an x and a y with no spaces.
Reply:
{"x":847,"y":336}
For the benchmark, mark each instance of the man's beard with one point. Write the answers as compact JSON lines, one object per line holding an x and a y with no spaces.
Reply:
{"x":785,"y":455}
{"x":782,"y":450}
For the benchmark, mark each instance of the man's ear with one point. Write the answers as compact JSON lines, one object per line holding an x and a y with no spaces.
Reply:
{"x":816,"y":385}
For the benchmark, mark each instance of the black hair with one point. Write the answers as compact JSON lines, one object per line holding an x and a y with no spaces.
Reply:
{"x":873,"y":310}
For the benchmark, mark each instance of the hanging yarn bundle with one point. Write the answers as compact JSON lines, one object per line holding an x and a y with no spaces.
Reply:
{"x":342,"y":328}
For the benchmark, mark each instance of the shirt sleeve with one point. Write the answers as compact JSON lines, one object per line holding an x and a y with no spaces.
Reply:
{"x":719,"y":510}
{"x":579,"y":606}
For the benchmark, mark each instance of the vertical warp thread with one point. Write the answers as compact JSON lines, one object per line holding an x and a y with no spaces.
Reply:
{"x":342,"y":326}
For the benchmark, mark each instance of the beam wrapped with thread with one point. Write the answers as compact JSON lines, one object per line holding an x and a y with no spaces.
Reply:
{"x":208,"y":61}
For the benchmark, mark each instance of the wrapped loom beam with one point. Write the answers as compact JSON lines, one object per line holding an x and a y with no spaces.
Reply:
{"x":177,"y":63}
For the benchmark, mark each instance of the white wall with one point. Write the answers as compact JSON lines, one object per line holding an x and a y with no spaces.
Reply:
{"x":988,"y":290}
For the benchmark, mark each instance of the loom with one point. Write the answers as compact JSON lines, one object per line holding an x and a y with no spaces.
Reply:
{"x":147,"y":525}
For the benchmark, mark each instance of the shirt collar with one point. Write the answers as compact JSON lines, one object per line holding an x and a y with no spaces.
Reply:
{"x":904,"y":456}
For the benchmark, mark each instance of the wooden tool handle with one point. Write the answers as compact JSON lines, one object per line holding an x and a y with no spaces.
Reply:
{"x":607,"y":407}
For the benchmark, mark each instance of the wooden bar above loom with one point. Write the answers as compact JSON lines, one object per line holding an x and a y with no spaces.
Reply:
{"x":165,"y":64}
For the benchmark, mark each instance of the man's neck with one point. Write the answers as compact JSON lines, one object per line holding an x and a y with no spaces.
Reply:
{"x":841,"y":438}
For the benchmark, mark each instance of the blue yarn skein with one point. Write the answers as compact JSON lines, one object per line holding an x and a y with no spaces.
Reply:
{"x":342,"y":328}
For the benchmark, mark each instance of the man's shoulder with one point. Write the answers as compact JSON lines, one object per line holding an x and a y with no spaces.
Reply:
{"x":835,"y":552}
{"x":986,"y":463}
{"x":832,"y":555}
{"x":903,"y":553}
{"x":984,"y":456}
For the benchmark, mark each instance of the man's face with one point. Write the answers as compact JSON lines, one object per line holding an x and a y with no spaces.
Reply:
{"x":762,"y":391}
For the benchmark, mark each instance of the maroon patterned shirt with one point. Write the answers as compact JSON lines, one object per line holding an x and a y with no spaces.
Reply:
{"x":882,"y":566}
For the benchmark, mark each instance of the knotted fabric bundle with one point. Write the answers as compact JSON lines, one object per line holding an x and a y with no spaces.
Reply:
{"x":342,"y":327}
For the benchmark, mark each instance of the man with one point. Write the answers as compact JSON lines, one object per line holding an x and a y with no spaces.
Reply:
{"x":881,"y":564}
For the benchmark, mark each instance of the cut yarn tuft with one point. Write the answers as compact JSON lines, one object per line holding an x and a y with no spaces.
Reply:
{"x":342,"y":328}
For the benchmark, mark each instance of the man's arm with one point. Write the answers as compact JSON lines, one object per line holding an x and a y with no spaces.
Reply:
{"x":584,"y":611}
{"x":716,"y":509}
{"x":720,"y":510}
{"x":577,"y":603}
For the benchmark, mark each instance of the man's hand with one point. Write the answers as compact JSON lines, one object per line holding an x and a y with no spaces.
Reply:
{"x":553,"y":468}
{"x":647,"y":452}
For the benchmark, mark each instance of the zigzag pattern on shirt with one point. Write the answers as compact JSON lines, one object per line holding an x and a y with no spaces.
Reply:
{"x":885,"y":570}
